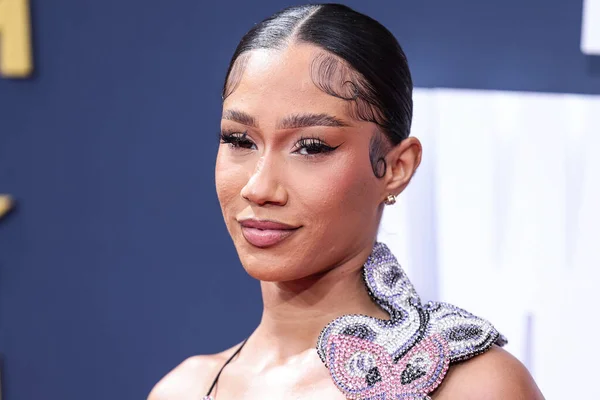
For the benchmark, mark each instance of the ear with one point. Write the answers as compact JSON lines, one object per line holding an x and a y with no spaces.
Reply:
{"x":402,"y":162}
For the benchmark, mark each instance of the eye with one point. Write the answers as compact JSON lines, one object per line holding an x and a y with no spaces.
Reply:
{"x":237,"y":140}
{"x":311,"y":146}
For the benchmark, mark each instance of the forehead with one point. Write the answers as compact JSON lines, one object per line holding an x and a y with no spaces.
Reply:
{"x":274,"y":83}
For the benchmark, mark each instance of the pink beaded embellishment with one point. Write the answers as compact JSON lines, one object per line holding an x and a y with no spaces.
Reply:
{"x":406,"y":356}
{"x":363,"y":370}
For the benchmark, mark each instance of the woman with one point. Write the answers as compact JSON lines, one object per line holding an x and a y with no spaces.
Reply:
{"x":315,"y":142}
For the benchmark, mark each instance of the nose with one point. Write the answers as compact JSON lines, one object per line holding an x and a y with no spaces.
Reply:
{"x":263,"y":187}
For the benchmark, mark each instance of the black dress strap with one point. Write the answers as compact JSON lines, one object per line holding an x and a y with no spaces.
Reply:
{"x":223,"y":367}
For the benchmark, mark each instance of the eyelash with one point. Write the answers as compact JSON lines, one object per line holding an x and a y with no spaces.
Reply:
{"x":313,"y":145}
{"x":316,"y":145}
{"x":237,"y":140}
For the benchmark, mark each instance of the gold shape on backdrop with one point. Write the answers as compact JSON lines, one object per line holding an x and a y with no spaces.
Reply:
{"x":15,"y":39}
{"x":6,"y":203}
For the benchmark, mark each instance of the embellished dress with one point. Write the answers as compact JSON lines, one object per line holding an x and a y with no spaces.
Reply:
{"x":407,"y":356}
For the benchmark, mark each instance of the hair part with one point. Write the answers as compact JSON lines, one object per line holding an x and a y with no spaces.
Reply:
{"x":361,"y":63}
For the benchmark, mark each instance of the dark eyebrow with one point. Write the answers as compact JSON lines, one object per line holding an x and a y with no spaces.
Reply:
{"x":308,"y":120}
{"x":240,"y":117}
{"x":290,"y":122}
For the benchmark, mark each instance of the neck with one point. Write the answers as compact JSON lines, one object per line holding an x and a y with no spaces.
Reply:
{"x":295,"y":312}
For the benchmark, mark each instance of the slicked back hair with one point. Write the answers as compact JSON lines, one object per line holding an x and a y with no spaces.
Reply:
{"x":362,"y":63}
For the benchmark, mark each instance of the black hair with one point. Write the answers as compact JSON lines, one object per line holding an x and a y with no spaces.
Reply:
{"x":362,"y":63}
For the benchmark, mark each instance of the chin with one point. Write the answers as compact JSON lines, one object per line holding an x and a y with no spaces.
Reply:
{"x":263,"y":274}
{"x":275,"y":264}
{"x":268,"y":268}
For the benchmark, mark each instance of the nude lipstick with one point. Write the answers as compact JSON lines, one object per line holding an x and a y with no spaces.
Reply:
{"x":265,"y":233}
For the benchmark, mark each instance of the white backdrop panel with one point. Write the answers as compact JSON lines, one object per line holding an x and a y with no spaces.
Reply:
{"x":503,"y":219}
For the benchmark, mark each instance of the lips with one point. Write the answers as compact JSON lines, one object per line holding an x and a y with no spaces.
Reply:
{"x":264,"y":233}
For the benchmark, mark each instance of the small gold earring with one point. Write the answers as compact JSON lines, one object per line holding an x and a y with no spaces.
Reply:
{"x":391,"y":199}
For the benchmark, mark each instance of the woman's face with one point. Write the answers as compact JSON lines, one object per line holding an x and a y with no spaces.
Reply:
{"x":293,"y":173}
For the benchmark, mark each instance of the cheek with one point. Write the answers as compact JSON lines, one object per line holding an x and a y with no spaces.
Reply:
{"x":344,"y":188}
{"x":229,"y":180}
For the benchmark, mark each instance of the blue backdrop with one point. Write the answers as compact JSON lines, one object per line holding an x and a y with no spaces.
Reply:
{"x":116,"y":265}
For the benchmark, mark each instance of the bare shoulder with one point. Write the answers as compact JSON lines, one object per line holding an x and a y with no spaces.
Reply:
{"x":190,"y":379}
{"x":494,"y":375}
